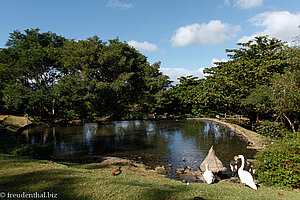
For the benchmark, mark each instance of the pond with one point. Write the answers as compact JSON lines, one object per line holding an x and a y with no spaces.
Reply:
{"x":154,"y":143}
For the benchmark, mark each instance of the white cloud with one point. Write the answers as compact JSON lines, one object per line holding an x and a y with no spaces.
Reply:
{"x":215,"y":60}
{"x":143,"y":46}
{"x":118,"y":4}
{"x":175,"y":73}
{"x":247,"y":4}
{"x":215,"y":32}
{"x":282,"y":25}
{"x":227,"y":2}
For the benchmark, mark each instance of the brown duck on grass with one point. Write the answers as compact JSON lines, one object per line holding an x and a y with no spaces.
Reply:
{"x":117,"y":171}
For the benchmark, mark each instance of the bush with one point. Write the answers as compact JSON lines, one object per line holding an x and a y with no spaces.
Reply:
{"x":279,"y":164}
{"x":271,"y":129}
{"x":36,"y":151}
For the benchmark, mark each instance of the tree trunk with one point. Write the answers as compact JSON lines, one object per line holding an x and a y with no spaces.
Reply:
{"x":291,"y":124}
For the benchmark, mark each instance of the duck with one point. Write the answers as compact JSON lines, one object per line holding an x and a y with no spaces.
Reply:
{"x":251,"y":170}
{"x":208,"y":175}
{"x":245,"y":176}
{"x":233,"y":167}
{"x":132,"y":165}
{"x":117,"y":171}
{"x":182,"y":171}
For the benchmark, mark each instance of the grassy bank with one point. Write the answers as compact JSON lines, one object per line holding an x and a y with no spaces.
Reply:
{"x":13,"y":123}
{"x":94,"y":181}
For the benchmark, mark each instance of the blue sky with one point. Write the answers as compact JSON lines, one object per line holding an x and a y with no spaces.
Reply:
{"x":186,"y":36}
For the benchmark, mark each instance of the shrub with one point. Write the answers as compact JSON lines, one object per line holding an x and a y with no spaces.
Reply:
{"x":271,"y":129}
{"x":279,"y":164}
{"x":36,"y":151}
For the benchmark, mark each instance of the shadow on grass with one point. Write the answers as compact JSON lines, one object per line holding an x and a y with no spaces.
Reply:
{"x":53,"y":181}
{"x":157,"y":191}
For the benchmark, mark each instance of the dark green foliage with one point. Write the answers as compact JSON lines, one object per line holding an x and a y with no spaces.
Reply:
{"x":271,"y":129}
{"x":36,"y":151}
{"x":252,"y":65}
{"x":29,"y":66}
{"x":183,"y":96}
{"x":51,"y":77}
{"x":279,"y":164}
{"x":260,"y":79}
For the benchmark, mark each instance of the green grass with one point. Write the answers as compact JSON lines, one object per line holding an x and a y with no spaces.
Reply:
{"x":94,"y":181}
{"x":13,"y":123}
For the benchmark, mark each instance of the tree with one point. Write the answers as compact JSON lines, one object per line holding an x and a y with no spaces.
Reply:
{"x":286,"y":95}
{"x":249,"y":67}
{"x":259,"y":101}
{"x":184,"y":95}
{"x":29,"y":63}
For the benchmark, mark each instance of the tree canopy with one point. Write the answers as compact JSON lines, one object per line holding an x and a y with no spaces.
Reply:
{"x":260,"y":78}
{"x":51,"y":76}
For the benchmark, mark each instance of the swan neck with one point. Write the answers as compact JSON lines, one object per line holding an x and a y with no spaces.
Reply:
{"x":243,"y":162}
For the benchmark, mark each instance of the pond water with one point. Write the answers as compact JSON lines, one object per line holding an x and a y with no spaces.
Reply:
{"x":154,"y":143}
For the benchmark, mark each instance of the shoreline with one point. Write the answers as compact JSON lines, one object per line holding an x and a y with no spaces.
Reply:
{"x":255,"y":141}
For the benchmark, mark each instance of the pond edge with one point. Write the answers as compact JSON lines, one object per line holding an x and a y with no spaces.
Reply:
{"x":254,"y":140}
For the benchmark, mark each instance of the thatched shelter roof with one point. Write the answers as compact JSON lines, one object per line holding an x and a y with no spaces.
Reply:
{"x":214,"y":164}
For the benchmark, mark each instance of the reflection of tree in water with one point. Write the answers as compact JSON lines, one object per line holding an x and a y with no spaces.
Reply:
{"x":157,"y":142}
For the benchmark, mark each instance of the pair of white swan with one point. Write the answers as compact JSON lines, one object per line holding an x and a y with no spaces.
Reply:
{"x":245,"y":176}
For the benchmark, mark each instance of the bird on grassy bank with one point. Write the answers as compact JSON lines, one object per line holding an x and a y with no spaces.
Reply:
{"x":245,"y":176}
{"x":117,"y":171}
{"x":250,"y":168}
{"x":233,"y":167}
{"x":132,"y":165}
{"x":208,"y":175}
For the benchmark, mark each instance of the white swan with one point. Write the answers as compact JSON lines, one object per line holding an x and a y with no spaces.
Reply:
{"x":208,"y":175}
{"x":245,"y":176}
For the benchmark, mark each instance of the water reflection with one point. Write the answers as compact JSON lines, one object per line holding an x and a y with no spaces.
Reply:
{"x":156,"y":142}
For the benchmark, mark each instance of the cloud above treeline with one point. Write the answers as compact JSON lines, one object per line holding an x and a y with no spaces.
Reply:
{"x":143,"y":46}
{"x":119,"y":4}
{"x":248,"y":4}
{"x":214,"y":32}
{"x":175,"y":73}
{"x":282,"y":25}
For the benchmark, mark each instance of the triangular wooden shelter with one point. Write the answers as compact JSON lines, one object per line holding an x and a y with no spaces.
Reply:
{"x":214,"y":164}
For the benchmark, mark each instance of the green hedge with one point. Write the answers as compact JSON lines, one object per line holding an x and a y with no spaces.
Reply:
{"x":271,"y":129}
{"x":279,"y":164}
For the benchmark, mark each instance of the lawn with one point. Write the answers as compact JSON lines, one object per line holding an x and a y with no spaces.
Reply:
{"x":94,"y":181}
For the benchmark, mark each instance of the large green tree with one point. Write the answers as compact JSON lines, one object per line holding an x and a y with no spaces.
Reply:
{"x":29,"y":65}
{"x":119,"y":81}
{"x":48,"y":75}
{"x":249,"y":67}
